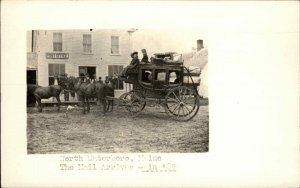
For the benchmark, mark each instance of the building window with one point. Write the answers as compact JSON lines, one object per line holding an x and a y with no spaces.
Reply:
{"x":55,"y":70}
{"x":87,"y":43}
{"x":113,"y":71}
{"x":114,"y":45}
{"x":57,"y":42}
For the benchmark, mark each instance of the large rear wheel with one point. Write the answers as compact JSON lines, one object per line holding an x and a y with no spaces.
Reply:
{"x":182,"y":103}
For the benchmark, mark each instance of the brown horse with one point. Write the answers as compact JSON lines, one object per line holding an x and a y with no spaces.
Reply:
{"x":40,"y":93}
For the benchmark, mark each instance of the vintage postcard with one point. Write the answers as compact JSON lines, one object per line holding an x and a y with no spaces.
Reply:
{"x":149,"y":94}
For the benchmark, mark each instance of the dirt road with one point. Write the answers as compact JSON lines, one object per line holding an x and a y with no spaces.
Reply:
{"x":151,"y":131}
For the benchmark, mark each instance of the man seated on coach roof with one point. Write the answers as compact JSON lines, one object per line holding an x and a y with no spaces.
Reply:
{"x":133,"y":64}
{"x":145,"y":58}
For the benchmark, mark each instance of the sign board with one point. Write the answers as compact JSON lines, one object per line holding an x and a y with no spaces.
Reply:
{"x":57,"y":55}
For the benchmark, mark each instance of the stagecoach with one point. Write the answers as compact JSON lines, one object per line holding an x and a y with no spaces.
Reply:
{"x":167,"y":81}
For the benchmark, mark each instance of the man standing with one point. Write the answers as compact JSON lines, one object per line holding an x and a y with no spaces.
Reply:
{"x":66,"y":93}
{"x":100,"y":80}
{"x":106,"y":80}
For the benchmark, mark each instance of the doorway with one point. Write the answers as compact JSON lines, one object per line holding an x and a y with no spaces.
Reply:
{"x":87,"y":70}
{"x":31,"y":77}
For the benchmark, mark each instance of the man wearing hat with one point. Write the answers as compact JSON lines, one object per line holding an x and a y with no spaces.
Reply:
{"x":134,"y":62}
{"x":145,"y":58}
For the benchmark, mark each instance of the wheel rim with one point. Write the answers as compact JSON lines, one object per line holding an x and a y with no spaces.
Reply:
{"x":182,"y":103}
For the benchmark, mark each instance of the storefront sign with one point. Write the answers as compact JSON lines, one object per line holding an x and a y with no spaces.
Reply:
{"x":57,"y":55}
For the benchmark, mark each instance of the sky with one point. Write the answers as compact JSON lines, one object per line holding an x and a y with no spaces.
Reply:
{"x":166,"y":40}
{"x":162,"y":40}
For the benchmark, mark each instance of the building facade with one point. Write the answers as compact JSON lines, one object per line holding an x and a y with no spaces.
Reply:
{"x":98,"y":53}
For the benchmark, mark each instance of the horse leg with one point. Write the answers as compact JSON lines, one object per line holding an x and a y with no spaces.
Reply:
{"x":104,"y":104}
{"x":83,"y":104}
{"x":107,"y":105}
{"x":88,"y":105}
{"x":39,"y":105}
{"x":58,"y":103}
{"x":81,"y":100}
{"x":112,"y":105}
{"x":39,"y":102}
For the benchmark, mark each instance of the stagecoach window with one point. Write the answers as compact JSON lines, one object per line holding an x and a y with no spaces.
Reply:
{"x":174,"y":77}
{"x":55,"y":70}
{"x":147,"y":75}
{"x":113,"y":71}
{"x":57,"y":41}
{"x":87,"y":43}
{"x":160,"y":75}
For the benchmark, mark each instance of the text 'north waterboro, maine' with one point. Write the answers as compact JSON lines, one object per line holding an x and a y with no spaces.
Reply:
{"x":112,"y":162}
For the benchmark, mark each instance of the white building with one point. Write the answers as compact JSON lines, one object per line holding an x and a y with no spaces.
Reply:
{"x":76,"y":52}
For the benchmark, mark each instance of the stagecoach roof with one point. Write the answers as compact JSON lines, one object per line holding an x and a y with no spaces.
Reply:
{"x":165,"y":54}
{"x":165,"y":66}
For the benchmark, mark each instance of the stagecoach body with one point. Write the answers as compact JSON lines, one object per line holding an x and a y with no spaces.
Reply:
{"x":169,"y":82}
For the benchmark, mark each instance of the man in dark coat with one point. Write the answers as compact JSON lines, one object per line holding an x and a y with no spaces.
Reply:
{"x":106,"y":80}
{"x":145,"y":58}
{"x":100,"y":80}
{"x":134,"y":62}
{"x":66,"y":93}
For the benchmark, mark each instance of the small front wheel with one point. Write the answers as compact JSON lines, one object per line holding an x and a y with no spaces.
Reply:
{"x":132,"y":102}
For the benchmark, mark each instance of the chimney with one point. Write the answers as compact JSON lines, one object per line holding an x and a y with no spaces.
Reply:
{"x":199,"y":44}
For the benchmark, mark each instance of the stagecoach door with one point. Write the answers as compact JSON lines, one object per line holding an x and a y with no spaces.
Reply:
{"x":83,"y":70}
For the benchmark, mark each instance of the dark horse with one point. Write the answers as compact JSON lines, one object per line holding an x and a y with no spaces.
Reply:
{"x":30,"y":96}
{"x":110,"y":91}
{"x":40,"y":93}
{"x":86,"y":90}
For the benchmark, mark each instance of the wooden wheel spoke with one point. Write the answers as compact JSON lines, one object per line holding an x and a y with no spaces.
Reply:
{"x":183,"y":94}
{"x":187,"y":109}
{"x":184,"y":114}
{"x":172,"y":105}
{"x":176,"y":97}
{"x":189,"y":102}
{"x":175,"y":109}
{"x":178,"y":115}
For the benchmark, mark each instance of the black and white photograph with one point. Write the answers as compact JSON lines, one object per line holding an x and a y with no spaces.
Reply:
{"x":150,"y":94}
{"x":117,"y":90}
